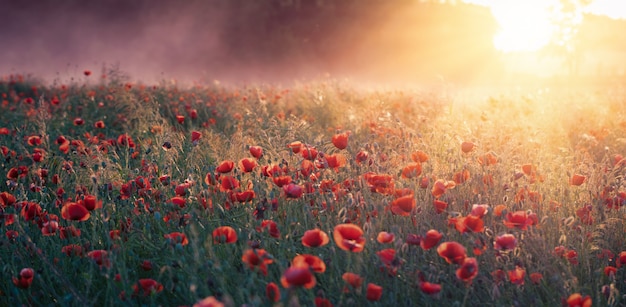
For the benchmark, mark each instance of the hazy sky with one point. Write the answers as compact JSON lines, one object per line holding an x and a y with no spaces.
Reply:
{"x":241,"y":40}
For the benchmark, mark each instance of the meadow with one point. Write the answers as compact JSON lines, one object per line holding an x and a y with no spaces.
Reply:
{"x":315,"y":194}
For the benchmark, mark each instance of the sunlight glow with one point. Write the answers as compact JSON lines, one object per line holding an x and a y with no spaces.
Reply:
{"x":524,"y":25}
{"x":527,"y":26}
{"x":611,"y":8}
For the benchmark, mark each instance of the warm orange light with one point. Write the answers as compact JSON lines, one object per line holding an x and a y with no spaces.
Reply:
{"x":530,"y":25}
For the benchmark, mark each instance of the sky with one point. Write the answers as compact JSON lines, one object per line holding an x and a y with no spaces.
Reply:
{"x":241,"y":41}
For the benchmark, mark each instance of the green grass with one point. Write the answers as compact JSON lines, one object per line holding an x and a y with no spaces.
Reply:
{"x":558,"y":133}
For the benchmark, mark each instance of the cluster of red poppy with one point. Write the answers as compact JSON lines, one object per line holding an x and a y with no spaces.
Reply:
{"x":354,"y":193}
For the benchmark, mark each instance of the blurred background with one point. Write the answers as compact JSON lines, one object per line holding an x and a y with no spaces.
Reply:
{"x":395,"y":42}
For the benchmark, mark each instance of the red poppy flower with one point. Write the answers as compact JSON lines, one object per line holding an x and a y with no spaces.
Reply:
{"x":99,"y":124}
{"x":529,"y":169}
{"x":431,"y":239}
{"x":244,"y":196}
{"x":314,"y":238}
{"x":340,"y":140}
{"x":78,"y":121}
{"x":489,"y":158}
{"x":374,"y":292}
{"x":176,"y":238}
{"x":499,"y":210}
{"x":25,"y":279}
{"x":91,"y":203}
{"x":322,"y":302}
{"x":440,"y":205}
{"x":87,"y":72}
{"x":247,"y":165}
{"x":33,"y":140}
{"x":388,"y":258}
{"x":147,"y":286}
{"x":468,"y":270}
{"x":100,"y":257}
{"x":16,"y":172}
{"x":293,"y":190}
{"x":50,"y":228}
{"x":385,"y":237}
{"x":461,"y":177}
{"x":419,"y":156}
{"x":473,"y":223}
{"x":610,"y":270}
{"x":272,"y":228}
{"x":349,"y":237}
{"x":257,"y":258}
{"x":467,"y":147}
{"x":571,"y":256}
{"x":146,"y":265}
{"x":452,"y":252}
{"x":430,"y":288}
{"x":354,"y":280}
{"x":195,"y":136}
{"x":224,"y":234}
{"x":316,"y":264}
{"x":75,"y":212}
{"x":178,"y":201}
{"x":505,"y":242}
{"x":228,"y":183}
{"x":361,"y":156}
{"x":412,"y":170}
{"x":68,"y":232}
{"x":281,"y":181}
{"x":181,"y":189}
{"x":536,"y":278}
{"x":272,"y":292}
{"x":584,"y":213}
{"x":479,"y":210}
{"x":439,"y":187}
{"x":7,"y":199}
{"x":11,"y":235}
{"x":180,"y":119}
{"x":209,"y":301}
{"x":621,"y":259}
{"x":295,"y":146}
{"x":577,"y":300}
{"x":298,"y":276}
{"x":256,"y":151}
{"x":38,"y":154}
{"x":72,"y":250}
{"x":308,"y":152}
{"x":379,"y":183}
{"x":577,"y":179}
{"x":334,"y":161}
{"x":165,"y":180}
{"x":125,"y":140}
{"x":193,"y":113}
{"x":517,"y":275}
{"x":225,"y":167}
{"x":518,"y":219}
{"x":403,"y":205}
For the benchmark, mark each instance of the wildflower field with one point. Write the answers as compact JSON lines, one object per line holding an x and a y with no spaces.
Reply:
{"x":316,"y":194}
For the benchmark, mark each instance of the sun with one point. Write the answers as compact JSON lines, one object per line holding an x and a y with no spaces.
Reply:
{"x":524,"y":25}
{"x":530,"y":25}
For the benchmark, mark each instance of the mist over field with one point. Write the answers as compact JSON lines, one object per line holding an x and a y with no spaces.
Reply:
{"x":246,"y":40}
{"x":368,"y":41}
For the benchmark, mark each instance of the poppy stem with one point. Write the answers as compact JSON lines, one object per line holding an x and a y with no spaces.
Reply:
{"x":467,"y":291}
